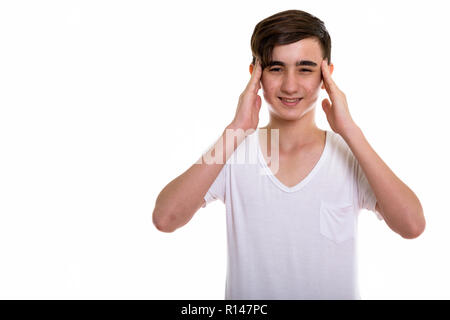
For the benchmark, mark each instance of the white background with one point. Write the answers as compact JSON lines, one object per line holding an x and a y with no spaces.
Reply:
{"x":105,"y":102}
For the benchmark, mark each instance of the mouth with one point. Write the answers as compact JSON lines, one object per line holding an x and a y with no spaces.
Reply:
{"x":290,"y":101}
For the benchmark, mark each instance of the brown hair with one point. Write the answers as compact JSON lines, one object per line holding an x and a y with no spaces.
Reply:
{"x":284,"y":28}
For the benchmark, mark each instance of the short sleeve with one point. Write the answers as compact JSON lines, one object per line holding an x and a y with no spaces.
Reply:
{"x":217,"y":189}
{"x":365,"y":194}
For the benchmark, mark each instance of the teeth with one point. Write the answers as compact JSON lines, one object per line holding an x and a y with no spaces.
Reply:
{"x":290,"y":100}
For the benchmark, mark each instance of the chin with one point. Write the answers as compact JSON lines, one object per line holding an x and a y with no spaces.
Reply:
{"x":290,"y":113}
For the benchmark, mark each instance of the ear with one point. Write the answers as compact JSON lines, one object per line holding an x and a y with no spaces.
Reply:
{"x":331,"y":68}
{"x":251,"y":68}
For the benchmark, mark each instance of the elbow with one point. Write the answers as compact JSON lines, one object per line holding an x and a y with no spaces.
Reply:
{"x":162,"y":222}
{"x":163,"y":227}
{"x":170,"y":218}
{"x":416,"y":228}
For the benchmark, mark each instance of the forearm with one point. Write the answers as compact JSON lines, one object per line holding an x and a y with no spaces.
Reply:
{"x":182,"y":197}
{"x":400,"y":207}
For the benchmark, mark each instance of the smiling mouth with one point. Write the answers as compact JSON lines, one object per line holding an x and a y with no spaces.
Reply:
{"x":290,"y":102}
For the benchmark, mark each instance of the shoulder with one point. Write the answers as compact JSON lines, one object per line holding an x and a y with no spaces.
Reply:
{"x":339,"y":151}
{"x":336,"y":142}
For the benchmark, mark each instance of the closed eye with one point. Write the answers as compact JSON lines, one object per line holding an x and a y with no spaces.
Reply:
{"x":278,"y":69}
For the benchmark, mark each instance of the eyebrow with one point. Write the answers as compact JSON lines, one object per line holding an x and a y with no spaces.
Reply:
{"x":298,"y":63}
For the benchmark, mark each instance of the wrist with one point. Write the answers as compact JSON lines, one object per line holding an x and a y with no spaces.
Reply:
{"x":235,"y":126}
{"x":245,"y":128}
{"x":237,"y":131}
{"x":349,"y":131}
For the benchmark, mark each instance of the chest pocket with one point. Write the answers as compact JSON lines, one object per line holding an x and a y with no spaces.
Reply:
{"x":337,"y":221}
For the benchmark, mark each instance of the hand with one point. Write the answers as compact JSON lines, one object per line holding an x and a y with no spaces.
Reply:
{"x":247,"y":113}
{"x":337,"y":112}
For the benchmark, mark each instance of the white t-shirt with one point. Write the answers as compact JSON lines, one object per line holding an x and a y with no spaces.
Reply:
{"x":292,"y":242}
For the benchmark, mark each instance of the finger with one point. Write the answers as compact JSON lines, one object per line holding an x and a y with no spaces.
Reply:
{"x":256,"y":74}
{"x":329,"y":83}
{"x":326,"y":105}
{"x":254,"y":83}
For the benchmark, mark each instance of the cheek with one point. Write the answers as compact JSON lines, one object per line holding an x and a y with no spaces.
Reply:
{"x":268,"y":87}
{"x":312,"y":87}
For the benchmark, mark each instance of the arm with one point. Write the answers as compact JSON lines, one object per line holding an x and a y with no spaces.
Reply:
{"x":396,"y":202}
{"x":399,"y":206}
{"x":181,"y":198}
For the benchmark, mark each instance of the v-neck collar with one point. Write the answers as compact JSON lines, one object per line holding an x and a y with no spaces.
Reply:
{"x":305,"y":180}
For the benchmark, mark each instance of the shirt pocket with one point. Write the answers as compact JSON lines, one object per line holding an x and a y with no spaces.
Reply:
{"x":337,"y":221}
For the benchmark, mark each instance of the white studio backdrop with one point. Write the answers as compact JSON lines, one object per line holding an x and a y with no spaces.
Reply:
{"x":102,"y":103}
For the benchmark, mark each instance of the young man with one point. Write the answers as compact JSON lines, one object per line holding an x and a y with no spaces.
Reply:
{"x":291,"y":231}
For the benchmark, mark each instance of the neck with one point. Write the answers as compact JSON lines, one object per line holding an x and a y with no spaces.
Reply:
{"x":295,"y":134}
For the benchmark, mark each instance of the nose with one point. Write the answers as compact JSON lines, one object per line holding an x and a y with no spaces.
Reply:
{"x":289,"y":84}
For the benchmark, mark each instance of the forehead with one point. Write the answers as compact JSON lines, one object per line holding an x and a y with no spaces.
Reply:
{"x":305,"y":49}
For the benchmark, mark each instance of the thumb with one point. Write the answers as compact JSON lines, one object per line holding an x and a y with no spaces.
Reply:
{"x":258,"y":102}
{"x":326,"y":106}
